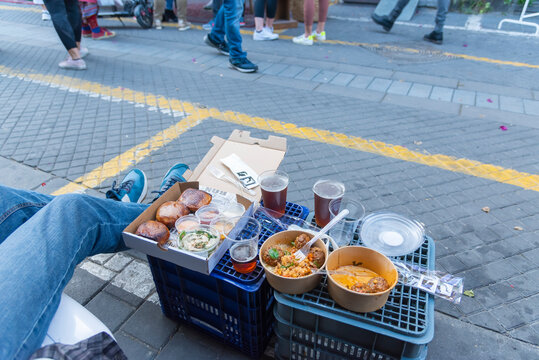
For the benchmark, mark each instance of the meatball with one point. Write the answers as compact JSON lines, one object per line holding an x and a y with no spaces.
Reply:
{"x":359,"y":287}
{"x":317,"y":256}
{"x":301,"y":240}
{"x":377,"y":284}
{"x":272,"y":256}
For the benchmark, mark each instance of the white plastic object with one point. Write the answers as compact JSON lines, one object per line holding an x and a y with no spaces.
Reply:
{"x":521,"y":21}
{"x":73,"y":323}
{"x":302,"y":253}
{"x":219,"y":174}
{"x":391,"y":234}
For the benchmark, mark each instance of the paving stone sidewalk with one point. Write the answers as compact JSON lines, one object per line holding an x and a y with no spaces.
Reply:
{"x":50,"y":135}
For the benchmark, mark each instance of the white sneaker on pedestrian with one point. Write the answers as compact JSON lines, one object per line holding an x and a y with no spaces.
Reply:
{"x":270,"y":33}
{"x":302,"y":40}
{"x":158,"y":25}
{"x":319,"y":36}
{"x":183,"y":25}
{"x":261,"y":35}
{"x":73,"y":64}
{"x":45,"y":15}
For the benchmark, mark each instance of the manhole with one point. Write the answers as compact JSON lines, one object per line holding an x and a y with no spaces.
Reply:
{"x":409,"y":53}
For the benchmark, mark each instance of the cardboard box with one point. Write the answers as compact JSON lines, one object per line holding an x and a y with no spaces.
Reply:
{"x":259,"y":154}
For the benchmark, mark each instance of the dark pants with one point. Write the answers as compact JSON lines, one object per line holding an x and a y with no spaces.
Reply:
{"x":65,"y":16}
{"x":270,"y":6}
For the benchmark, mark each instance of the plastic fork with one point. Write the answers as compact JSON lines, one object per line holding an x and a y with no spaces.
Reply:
{"x":219,"y":174}
{"x":301,"y":254}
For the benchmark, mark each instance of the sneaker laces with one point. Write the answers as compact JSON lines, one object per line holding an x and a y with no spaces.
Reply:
{"x":126,"y":185}
{"x":168,"y":184}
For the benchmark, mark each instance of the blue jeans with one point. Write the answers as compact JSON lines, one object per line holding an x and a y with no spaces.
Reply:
{"x":441,"y":12}
{"x":227,"y":22}
{"x":42,"y":239}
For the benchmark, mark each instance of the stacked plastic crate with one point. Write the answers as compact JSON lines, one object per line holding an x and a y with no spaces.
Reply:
{"x":234,"y":307}
{"x":313,"y":326}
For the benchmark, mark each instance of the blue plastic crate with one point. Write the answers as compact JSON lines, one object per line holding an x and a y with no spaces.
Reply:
{"x":234,"y":307}
{"x":224,"y":268}
{"x":401,"y":329}
{"x":241,"y":316}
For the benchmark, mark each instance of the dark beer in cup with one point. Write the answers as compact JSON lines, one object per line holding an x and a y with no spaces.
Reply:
{"x":324,"y":192}
{"x":274,"y":186}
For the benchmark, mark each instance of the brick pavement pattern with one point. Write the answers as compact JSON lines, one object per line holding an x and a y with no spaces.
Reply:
{"x":53,"y":135}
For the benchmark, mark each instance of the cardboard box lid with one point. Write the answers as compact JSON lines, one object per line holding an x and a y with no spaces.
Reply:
{"x":260,"y":154}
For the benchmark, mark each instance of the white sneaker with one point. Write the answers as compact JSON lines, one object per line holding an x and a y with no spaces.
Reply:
{"x":302,"y":40}
{"x":260,"y":35}
{"x":183,"y":25}
{"x":320,"y":36}
{"x":158,"y":25}
{"x":270,"y":33}
{"x":45,"y":15}
{"x":73,"y":64}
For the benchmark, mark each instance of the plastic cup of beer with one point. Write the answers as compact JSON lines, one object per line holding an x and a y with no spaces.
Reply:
{"x":274,"y":185}
{"x":244,"y":244}
{"x":343,"y":232}
{"x":324,"y":192}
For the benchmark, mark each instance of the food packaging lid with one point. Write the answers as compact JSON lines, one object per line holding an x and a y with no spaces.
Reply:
{"x":391,"y":234}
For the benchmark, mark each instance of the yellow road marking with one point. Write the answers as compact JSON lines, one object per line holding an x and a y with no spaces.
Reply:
{"x":348,"y":43}
{"x":199,"y":113}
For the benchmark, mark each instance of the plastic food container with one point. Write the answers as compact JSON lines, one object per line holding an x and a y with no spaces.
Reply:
{"x":370,"y":259}
{"x":207,"y":213}
{"x":391,"y":234}
{"x":194,"y":240}
{"x":187,"y":222}
{"x":232,"y":209}
{"x":223,"y":225}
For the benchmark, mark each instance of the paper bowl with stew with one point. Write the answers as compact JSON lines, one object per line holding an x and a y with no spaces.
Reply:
{"x":283,"y":271}
{"x":360,"y":279}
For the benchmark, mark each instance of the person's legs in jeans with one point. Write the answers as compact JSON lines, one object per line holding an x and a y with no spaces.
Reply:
{"x":387,"y":21}
{"x":17,"y":206}
{"x":227,"y":22}
{"x":74,"y":17}
{"x":394,"y":14}
{"x":41,"y":253}
{"x":64,"y":23}
{"x":441,"y":13}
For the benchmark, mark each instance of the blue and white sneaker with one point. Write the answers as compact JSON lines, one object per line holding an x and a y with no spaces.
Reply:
{"x":173,"y":175}
{"x":133,"y":188}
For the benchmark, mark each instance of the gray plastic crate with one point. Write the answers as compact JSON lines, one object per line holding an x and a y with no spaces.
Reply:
{"x":313,"y":326}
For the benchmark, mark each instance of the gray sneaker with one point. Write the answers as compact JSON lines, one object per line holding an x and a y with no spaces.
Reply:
{"x":73,"y":64}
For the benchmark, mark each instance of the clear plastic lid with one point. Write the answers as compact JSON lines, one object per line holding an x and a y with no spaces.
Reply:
{"x":391,"y":234}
